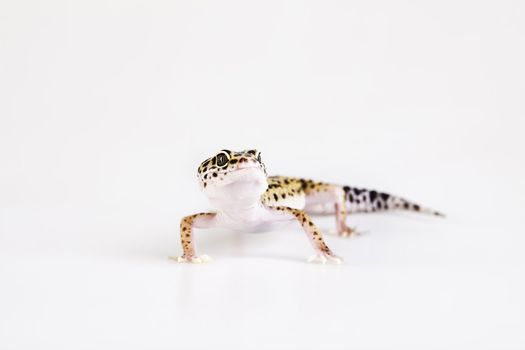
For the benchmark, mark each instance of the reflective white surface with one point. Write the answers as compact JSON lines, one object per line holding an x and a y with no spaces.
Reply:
{"x":107,"y":108}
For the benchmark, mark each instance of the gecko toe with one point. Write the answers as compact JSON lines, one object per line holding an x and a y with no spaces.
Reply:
{"x":205,"y":258}
{"x":317,"y":258}
{"x":335,"y":259}
{"x":350,"y":231}
{"x":200,"y":259}
{"x":322,"y":258}
{"x":179,"y":259}
{"x":194,"y":259}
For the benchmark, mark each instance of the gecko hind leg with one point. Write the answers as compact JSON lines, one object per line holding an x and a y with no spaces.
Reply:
{"x":331,"y":196}
{"x":343,"y":230}
{"x":340,"y":217}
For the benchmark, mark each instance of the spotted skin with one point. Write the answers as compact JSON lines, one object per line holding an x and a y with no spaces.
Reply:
{"x":281,"y":188}
{"x":311,"y":230}
{"x":219,"y":166}
{"x":363,"y":200}
{"x":247,"y":199}
{"x":186,"y":233}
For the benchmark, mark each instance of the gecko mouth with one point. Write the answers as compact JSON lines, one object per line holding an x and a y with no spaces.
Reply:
{"x":245,"y":167}
{"x":245,"y":171}
{"x":244,"y":174}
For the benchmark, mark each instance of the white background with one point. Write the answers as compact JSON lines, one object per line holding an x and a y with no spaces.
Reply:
{"x":108,"y":107}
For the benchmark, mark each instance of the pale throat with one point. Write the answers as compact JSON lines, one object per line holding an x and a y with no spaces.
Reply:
{"x":239,"y":199}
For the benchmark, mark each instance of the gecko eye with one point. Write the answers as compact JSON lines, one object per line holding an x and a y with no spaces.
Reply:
{"x":222,"y":159}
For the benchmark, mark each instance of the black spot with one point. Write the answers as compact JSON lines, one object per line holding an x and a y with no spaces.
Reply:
{"x":233,"y":161}
{"x":379,"y":205}
{"x":351,"y":198}
{"x":406,"y":205}
{"x":416,"y":207}
{"x":214,"y":174}
{"x":275,"y":196}
{"x":384,"y":196}
{"x":346,"y":189}
{"x":283,"y":195}
{"x":357,"y":191}
{"x":373,"y":196}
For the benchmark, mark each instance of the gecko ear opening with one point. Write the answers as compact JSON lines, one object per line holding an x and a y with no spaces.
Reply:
{"x":255,"y":153}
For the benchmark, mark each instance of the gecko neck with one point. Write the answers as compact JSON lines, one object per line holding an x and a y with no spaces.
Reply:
{"x":239,"y":200}
{"x":241,"y":213}
{"x":237,"y":194}
{"x":246,"y":210}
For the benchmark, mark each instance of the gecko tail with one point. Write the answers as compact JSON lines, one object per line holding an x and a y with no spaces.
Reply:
{"x":365,"y":201}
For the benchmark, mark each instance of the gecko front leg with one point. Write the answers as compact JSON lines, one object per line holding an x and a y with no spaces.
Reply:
{"x":324,"y":253}
{"x":201,"y":220}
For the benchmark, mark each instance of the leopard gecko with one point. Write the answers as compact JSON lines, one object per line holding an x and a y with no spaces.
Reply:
{"x":246,"y":199}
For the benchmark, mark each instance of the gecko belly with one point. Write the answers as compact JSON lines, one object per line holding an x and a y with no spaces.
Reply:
{"x":254,"y":227}
{"x":266,"y":227}
{"x":257,"y":219}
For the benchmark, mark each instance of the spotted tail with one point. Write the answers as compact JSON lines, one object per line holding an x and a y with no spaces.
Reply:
{"x":364,"y":201}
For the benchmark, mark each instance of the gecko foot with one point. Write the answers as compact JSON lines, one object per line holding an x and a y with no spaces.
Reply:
{"x":323,"y":258}
{"x":350,"y":231}
{"x":193,"y":259}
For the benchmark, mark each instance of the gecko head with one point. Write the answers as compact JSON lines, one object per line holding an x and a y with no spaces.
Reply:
{"x":233,"y":174}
